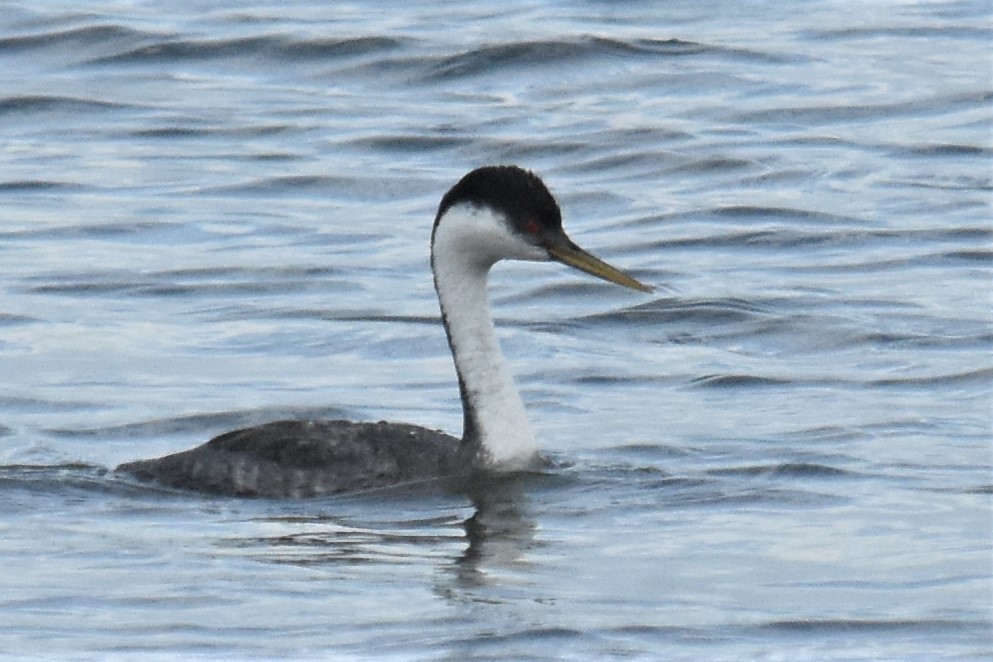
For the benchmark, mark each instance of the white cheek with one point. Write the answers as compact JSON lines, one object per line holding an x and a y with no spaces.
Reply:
{"x":482,"y":236}
{"x":512,"y":248}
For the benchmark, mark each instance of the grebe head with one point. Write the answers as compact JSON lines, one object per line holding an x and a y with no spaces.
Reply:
{"x":505,"y":212}
{"x":496,"y":213}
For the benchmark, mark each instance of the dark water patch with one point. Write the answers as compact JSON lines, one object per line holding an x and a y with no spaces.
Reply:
{"x":679,"y":47}
{"x":791,"y":215}
{"x":738,"y":495}
{"x":639,"y":475}
{"x":529,"y":152}
{"x":787,"y":238}
{"x":321,"y":49}
{"x":269,"y":156}
{"x":626,"y":380}
{"x":833,"y":114}
{"x":10,"y":319}
{"x":75,"y":38}
{"x":235,"y":281}
{"x":254,"y":273}
{"x":777,"y":178}
{"x":922,"y":627}
{"x":738,"y":381}
{"x":496,"y":646}
{"x":149,"y":230}
{"x":758,"y":315}
{"x":49,"y":478}
{"x":364,"y":189}
{"x":490,"y":58}
{"x":791,"y":239}
{"x":129,"y":284}
{"x":967,"y":256}
{"x":826,"y":434}
{"x":709,"y":312}
{"x":27,"y":488}
{"x":36,"y":104}
{"x":22,"y":404}
{"x":955,"y":183}
{"x":981,"y":377}
{"x":787,"y":335}
{"x":965,"y":233}
{"x":411,"y":143}
{"x":926,"y":582}
{"x":191,"y":131}
{"x":633,"y":162}
{"x":942,"y":150}
{"x":351,"y":316}
{"x":776,"y":239}
{"x":171,"y":132}
{"x":207,"y":282}
{"x":649,"y":451}
{"x":711,"y":241}
{"x":951,"y":32}
{"x":754,"y":215}
{"x":876,"y":265}
{"x":198,"y":424}
{"x":37,"y":185}
{"x":105,"y":288}
{"x":394,"y":69}
{"x":635,"y":135}
{"x":286,"y":184}
{"x":556,"y":52}
{"x":902,"y":428}
{"x":713,"y":165}
{"x":266,"y":47}
{"x":978,"y":257}
{"x":786,"y":470}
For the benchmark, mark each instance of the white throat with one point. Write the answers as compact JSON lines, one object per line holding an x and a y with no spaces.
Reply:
{"x":467,"y":241}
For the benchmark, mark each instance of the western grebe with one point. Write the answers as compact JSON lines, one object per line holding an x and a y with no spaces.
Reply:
{"x":493,"y":213}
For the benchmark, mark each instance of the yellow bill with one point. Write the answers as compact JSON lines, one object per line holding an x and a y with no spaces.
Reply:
{"x":570,"y":254}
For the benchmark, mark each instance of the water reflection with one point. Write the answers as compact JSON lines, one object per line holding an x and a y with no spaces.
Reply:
{"x":467,"y":528}
{"x":501,"y":530}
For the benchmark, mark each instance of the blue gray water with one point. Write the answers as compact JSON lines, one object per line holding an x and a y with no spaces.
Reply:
{"x":217,"y":214}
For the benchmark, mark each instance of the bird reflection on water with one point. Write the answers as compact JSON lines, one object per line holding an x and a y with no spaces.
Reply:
{"x":343,"y":531}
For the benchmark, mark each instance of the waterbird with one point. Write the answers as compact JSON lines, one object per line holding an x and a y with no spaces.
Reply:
{"x":493,"y":213}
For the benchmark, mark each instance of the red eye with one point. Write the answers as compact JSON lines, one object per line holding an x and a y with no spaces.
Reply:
{"x":531,"y":227}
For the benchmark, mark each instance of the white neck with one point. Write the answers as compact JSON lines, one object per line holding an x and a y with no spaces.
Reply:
{"x":466,"y":243}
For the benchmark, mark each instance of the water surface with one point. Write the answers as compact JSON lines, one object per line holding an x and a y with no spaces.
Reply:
{"x":218,"y":216}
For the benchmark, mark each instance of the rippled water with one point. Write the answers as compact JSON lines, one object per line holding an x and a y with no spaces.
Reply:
{"x":217,"y":215}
